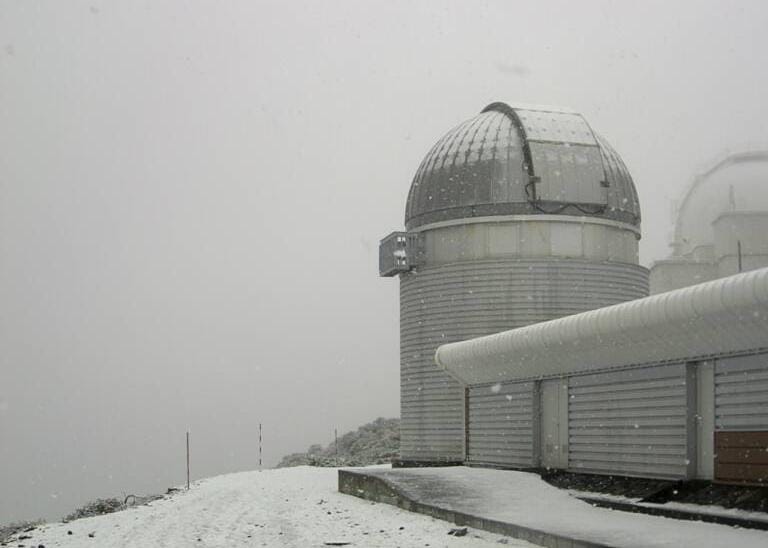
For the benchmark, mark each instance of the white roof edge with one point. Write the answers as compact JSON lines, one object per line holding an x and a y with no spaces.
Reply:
{"x":719,"y":317}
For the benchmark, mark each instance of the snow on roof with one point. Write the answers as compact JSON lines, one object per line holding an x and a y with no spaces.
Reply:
{"x":721,"y":317}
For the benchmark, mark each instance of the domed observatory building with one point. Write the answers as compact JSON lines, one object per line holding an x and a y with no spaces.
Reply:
{"x":721,"y":224}
{"x":518,"y":215}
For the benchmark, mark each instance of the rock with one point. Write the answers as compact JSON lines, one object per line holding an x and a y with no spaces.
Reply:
{"x":458,"y":532}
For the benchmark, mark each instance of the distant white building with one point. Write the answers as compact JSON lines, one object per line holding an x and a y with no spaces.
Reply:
{"x":721,"y":226}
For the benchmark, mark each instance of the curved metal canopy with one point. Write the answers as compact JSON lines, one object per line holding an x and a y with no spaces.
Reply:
{"x":721,"y":317}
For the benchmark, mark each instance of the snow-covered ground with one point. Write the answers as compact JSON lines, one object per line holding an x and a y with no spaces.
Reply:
{"x":287,"y":507}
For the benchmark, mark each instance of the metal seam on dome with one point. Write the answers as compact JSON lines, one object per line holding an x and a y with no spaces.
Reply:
{"x":495,"y":146}
{"x":509,"y":159}
{"x":483,"y":140}
{"x":476,"y":125}
{"x":448,"y":150}
{"x":510,"y":113}
{"x":616,"y":180}
{"x":597,"y":142}
{"x":440,"y":152}
{"x":626,"y":177}
{"x":445,"y":148}
{"x":480,"y":150}
{"x":420,"y":175}
{"x":455,"y":147}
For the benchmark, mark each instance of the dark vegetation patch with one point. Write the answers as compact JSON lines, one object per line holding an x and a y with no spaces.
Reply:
{"x":18,"y":528}
{"x":744,"y":497}
{"x":95,"y":508}
{"x":377,"y":442}
{"x":636,"y":488}
{"x":752,"y":498}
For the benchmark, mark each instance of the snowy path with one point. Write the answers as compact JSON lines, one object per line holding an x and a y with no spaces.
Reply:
{"x":288,"y":507}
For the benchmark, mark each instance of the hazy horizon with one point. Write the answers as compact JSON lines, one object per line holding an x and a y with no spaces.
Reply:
{"x":191,"y":199}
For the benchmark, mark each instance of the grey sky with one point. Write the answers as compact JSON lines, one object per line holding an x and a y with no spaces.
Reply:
{"x":192,"y":193}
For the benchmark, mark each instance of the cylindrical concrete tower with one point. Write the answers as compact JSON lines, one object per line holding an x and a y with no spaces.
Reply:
{"x":516,"y":216}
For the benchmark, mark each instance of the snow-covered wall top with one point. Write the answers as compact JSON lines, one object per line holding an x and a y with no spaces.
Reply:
{"x":725,"y":316}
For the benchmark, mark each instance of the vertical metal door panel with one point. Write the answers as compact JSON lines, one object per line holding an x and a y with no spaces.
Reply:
{"x":500,"y":425}
{"x":705,"y":422}
{"x":554,"y":423}
{"x":631,"y":422}
{"x":741,"y":393}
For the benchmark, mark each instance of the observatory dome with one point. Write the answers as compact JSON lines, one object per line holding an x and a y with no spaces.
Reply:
{"x":517,"y":216}
{"x":737,"y":183}
{"x":511,"y":160}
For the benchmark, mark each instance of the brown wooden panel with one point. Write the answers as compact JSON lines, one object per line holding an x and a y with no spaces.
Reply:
{"x":743,"y":473}
{"x":741,"y":457}
{"x":738,"y":455}
{"x":741,"y":439}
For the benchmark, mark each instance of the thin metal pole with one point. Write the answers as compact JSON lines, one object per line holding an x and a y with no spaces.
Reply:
{"x":738,"y":250}
{"x":187,"y":461}
{"x":259,"y":447}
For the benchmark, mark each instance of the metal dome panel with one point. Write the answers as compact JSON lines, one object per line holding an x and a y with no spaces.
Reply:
{"x":521,"y":160}
{"x":556,"y":127}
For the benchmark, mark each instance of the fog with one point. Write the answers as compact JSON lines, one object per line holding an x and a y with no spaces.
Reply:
{"x":192,"y":194}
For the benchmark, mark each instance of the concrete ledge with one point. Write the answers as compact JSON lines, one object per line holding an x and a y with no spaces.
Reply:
{"x":371,"y":487}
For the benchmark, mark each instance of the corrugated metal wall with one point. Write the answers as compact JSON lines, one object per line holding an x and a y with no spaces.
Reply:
{"x":460,"y":301}
{"x":631,"y":422}
{"x":741,"y":419}
{"x":501,"y":425}
{"x":741,"y":393}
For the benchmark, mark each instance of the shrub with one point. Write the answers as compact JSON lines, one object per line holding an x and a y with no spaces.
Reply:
{"x":96,"y":508}
{"x":377,"y":442}
{"x":7,"y":531}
